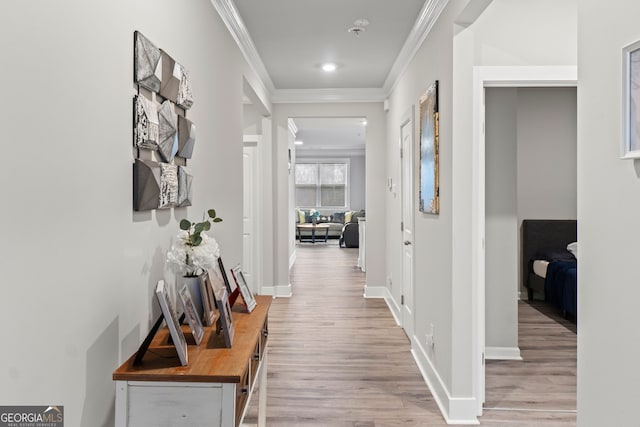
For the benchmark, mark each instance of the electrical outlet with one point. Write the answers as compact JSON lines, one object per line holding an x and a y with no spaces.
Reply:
{"x":430,"y":338}
{"x":389,"y":282}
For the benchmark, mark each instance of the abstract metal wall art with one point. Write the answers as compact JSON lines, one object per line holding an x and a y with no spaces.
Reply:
{"x":168,"y":185}
{"x":186,"y":137}
{"x":147,"y":65}
{"x":146,"y":124}
{"x":175,"y":85}
{"x":146,"y":185}
{"x":184,"y":187}
{"x":168,"y":134}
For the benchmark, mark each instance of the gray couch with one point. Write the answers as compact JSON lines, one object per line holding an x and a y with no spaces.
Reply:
{"x":336,"y":222}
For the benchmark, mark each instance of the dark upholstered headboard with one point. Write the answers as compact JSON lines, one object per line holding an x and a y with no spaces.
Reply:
{"x":541,"y":234}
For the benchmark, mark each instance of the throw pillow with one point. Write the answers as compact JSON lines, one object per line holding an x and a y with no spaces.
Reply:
{"x":338,"y":217}
{"x":301,"y":217}
{"x":347,"y":216}
{"x":356,"y":215}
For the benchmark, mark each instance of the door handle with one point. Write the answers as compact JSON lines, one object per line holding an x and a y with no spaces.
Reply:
{"x":407,"y":243}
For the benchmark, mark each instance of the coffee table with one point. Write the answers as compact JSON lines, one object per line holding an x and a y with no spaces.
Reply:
{"x":313,"y":228}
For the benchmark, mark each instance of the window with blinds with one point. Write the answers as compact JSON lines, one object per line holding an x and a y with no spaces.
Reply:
{"x":321,"y":184}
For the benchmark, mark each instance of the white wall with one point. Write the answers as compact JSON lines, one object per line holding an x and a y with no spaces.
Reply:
{"x":547,"y":153}
{"x":376,"y":182}
{"x":79,"y":265}
{"x":608,"y":209}
{"x":356,"y":175}
{"x":501,"y":223}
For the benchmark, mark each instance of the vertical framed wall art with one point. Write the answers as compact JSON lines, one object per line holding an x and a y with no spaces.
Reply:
{"x":429,"y":151}
{"x":630,"y":147}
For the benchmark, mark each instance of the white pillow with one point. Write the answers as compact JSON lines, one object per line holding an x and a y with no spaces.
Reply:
{"x":573,"y":248}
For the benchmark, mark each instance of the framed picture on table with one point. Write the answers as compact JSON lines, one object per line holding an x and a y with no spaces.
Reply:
{"x":208,"y":299}
{"x":170,"y":316}
{"x":192,"y":315}
{"x":225,"y":321}
{"x":247,"y":295}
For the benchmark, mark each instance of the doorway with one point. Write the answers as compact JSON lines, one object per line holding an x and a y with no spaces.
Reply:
{"x":486,"y":77}
{"x":407,"y":149}
{"x":326,"y":183}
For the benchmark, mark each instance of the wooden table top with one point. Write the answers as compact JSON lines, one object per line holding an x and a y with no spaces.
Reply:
{"x":310,"y":225}
{"x":208,"y":362}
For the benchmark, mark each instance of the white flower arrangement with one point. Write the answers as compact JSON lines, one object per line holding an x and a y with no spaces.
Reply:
{"x":194,"y":251}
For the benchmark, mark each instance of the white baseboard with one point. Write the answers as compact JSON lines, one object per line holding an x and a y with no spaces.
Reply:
{"x":394,"y":308}
{"x":277,"y":291}
{"x":455,"y":410}
{"x":292,"y":259}
{"x":375,"y":291}
{"x":502,"y":353}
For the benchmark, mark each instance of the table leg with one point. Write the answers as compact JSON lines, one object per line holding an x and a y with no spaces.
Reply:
{"x":326,"y":234}
{"x":262,"y":394}
{"x":313,"y":235}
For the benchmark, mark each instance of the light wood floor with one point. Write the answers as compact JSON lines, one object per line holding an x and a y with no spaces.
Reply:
{"x":337,"y":359}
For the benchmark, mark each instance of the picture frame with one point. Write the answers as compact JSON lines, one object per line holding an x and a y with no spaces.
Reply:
{"x":247,"y":295}
{"x":191,"y":314}
{"x":630,"y":144}
{"x":225,"y":321}
{"x":171,"y":318}
{"x":430,"y":151}
{"x":233,"y":291}
{"x":208,"y":299}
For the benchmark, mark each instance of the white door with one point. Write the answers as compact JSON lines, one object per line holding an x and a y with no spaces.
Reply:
{"x":406,"y":141}
{"x":249,"y":256}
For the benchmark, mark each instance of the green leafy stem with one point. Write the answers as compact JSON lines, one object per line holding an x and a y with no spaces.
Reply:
{"x":195,"y":229}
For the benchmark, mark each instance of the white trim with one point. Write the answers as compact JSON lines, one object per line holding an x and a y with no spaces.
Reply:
{"x":232,"y":19}
{"x":277,"y":291}
{"x":375,"y":291}
{"x":502,"y":353}
{"x":292,"y":127}
{"x":561,"y":76}
{"x":394,"y":307}
{"x":298,"y":96}
{"x":460,"y":410}
{"x":421,"y":28}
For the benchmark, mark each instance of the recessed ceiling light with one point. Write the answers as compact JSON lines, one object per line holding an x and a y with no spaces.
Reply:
{"x":329,"y":67}
{"x":299,"y":142}
{"x":364,"y":122}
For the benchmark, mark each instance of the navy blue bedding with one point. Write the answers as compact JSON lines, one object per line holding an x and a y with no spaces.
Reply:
{"x":561,"y":285}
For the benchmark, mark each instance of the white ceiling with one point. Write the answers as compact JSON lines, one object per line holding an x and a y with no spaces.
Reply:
{"x":287,"y":41}
{"x":330,"y":135}
{"x":294,"y":37}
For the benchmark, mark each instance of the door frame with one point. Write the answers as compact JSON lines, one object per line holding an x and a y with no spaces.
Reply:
{"x":256,"y":141}
{"x":407,"y":118}
{"x":483,"y":77}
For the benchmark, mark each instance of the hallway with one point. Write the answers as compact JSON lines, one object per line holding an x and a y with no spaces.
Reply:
{"x":339,"y":360}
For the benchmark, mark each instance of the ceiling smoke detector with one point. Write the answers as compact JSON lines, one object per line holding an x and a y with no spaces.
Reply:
{"x":356,"y":30}
{"x":359,"y":26}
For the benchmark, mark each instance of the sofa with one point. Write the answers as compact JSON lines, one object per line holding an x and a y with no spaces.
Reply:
{"x":335,"y":219}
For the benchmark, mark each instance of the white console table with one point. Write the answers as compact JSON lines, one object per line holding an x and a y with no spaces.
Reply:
{"x":214,"y":389}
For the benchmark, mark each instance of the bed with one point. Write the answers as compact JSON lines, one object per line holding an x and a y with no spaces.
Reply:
{"x":549,"y":270}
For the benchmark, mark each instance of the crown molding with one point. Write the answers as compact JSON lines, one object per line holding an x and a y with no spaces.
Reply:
{"x":421,"y":28}
{"x":423,"y":25}
{"x":281,"y":96}
{"x":232,"y":19}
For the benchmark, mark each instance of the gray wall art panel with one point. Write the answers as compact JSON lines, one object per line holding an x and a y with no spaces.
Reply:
{"x":146,"y":124}
{"x":146,"y":185}
{"x":175,"y":85}
{"x":186,"y":137}
{"x":168,"y":185}
{"x":147,"y":66}
{"x":184,"y":187}
{"x":168,"y":135}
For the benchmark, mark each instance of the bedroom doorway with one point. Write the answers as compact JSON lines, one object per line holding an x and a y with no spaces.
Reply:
{"x":498,"y":77}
